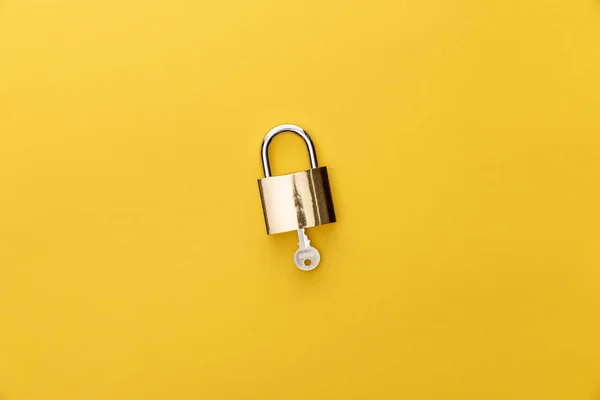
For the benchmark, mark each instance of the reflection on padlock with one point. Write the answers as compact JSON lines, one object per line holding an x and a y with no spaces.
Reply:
{"x":296,"y":201}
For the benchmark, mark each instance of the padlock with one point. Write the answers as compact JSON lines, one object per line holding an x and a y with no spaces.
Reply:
{"x":296,"y":201}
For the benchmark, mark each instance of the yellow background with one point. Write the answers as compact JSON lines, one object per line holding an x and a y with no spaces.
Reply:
{"x":462,"y":140}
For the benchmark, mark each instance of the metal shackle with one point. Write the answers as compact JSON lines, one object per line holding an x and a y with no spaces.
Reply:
{"x":264,"y":150}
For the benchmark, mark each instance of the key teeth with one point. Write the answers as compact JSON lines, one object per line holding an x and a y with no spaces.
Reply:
{"x":306,"y":244}
{"x":303,"y":240}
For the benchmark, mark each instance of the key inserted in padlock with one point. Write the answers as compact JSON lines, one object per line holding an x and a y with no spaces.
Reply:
{"x":296,"y":201}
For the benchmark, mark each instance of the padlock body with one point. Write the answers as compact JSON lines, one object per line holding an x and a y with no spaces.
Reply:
{"x":296,"y":201}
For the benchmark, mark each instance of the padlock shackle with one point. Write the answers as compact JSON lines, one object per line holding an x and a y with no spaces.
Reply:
{"x":264,"y":150}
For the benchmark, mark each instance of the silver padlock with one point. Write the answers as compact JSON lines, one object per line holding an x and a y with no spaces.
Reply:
{"x":297,"y":201}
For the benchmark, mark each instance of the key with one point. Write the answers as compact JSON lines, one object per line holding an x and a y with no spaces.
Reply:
{"x":306,"y":257}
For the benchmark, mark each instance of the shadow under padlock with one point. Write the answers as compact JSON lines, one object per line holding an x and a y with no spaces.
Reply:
{"x":294,"y":202}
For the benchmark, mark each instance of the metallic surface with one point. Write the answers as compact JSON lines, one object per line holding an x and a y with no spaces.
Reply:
{"x":296,"y":201}
{"x":306,"y":257}
{"x":264,"y":150}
